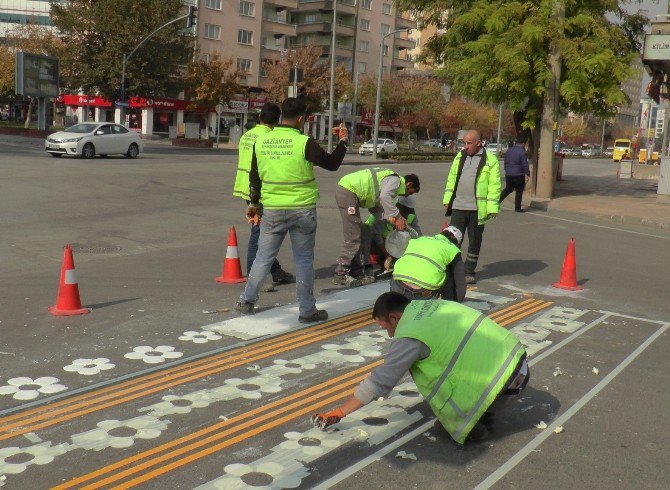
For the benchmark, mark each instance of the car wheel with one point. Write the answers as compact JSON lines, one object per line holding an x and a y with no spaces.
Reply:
{"x":88,"y":151}
{"x":395,"y":150}
{"x":133,"y":151}
{"x":56,"y":155}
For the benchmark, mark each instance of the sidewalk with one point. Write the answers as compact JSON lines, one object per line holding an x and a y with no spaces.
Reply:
{"x":606,"y":197}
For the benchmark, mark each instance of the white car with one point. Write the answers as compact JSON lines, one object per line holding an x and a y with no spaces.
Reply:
{"x":493,"y":148}
{"x":89,"y":139}
{"x":384,"y":145}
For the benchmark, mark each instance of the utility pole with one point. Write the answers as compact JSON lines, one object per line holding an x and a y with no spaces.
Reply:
{"x":498,"y":147}
{"x":333,"y":47}
{"x":543,"y":179}
{"x":602,"y":137}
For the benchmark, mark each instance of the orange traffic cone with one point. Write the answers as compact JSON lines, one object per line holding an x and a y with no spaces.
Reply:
{"x":568,"y":279}
{"x":68,"y":302}
{"x":232,"y":268}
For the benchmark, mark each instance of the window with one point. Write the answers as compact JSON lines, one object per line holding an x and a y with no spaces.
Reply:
{"x":363,"y":46}
{"x":386,"y":8}
{"x":310,"y":19}
{"x":365,"y":25}
{"x":213,"y":4}
{"x":245,"y":37}
{"x":244,"y":65}
{"x":386,"y":50}
{"x":105,"y":129}
{"x":362,"y":67}
{"x":212,"y":31}
{"x":247,"y":8}
{"x":205,"y":57}
{"x":366,"y":4}
{"x":264,"y":71}
{"x":116,"y":129}
{"x":386,"y":29}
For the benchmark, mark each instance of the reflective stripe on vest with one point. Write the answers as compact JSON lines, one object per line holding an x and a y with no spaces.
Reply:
{"x":245,"y":154}
{"x":425,"y":261}
{"x":471,"y":360}
{"x":287,"y":177}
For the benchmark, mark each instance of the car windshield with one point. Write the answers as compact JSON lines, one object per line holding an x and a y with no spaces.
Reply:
{"x":372,"y":142}
{"x":81,"y":128}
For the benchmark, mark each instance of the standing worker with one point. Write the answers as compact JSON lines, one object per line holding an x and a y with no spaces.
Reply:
{"x":282,"y":174}
{"x":375,"y":189}
{"x":465,"y":365}
{"x":431,"y":268}
{"x":517,"y":172}
{"x":472,"y":195}
{"x":269,"y":117}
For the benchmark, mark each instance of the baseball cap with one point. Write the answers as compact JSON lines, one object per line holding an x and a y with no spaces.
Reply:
{"x":454,"y":231}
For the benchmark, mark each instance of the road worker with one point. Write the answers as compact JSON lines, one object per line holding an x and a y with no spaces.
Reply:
{"x":464,"y":364}
{"x":282,"y":174}
{"x":377,"y":190}
{"x":431,"y":268}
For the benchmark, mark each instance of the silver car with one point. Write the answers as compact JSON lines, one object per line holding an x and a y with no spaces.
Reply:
{"x":89,"y":139}
{"x":384,"y":145}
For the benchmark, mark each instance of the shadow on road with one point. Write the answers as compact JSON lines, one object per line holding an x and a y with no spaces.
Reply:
{"x":524,"y":267}
{"x":97,"y":306}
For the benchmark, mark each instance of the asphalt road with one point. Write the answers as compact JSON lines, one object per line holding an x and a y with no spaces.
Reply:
{"x":227,"y":405}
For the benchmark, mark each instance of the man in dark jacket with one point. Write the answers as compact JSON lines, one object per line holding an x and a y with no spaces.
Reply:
{"x":517,"y":173}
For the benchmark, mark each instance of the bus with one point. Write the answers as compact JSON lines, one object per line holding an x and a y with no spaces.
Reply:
{"x":621,"y":147}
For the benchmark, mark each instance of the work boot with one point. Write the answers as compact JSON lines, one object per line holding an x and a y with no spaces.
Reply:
{"x":470,"y":279}
{"x":347,"y":280}
{"x":244,"y":307}
{"x":282,"y":277}
{"x":318,"y":316}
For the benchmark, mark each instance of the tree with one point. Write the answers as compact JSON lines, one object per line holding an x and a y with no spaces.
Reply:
{"x":501,"y":51}
{"x":316,"y":78}
{"x":422,"y":104}
{"x":7,"y":72}
{"x":99,"y":33}
{"x":389,"y":102}
{"x":212,"y":82}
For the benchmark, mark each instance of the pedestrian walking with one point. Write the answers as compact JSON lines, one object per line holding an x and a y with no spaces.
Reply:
{"x":472,"y":194}
{"x":465,"y":365}
{"x":517,"y":173}
{"x":268,"y":117}
{"x":375,"y":189}
{"x":282,"y":174}
{"x":431,"y":268}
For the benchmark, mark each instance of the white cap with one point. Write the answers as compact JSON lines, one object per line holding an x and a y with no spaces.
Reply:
{"x":456,"y":232}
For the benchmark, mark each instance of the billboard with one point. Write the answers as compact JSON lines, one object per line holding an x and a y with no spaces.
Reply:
{"x":36,"y":75}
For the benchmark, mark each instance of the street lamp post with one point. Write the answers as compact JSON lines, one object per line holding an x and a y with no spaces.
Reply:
{"x":380,"y":70}
{"x":333,"y":47}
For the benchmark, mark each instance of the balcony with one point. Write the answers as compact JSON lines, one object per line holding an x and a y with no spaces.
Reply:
{"x":345,"y":7}
{"x":402,"y":43}
{"x":289,"y":4}
{"x":275,"y":25}
{"x":326,"y":28}
{"x":270,"y":54}
{"x":402,"y":63}
{"x":403,"y":20}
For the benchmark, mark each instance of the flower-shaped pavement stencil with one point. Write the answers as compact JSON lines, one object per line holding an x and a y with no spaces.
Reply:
{"x":253,"y":388}
{"x":24,"y":388}
{"x":199,"y":337}
{"x":14,"y":460}
{"x":308,"y":446}
{"x":173,"y":404}
{"x":119,"y":433}
{"x":262,"y":475}
{"x":153,"y":355}
{"x":89,"y":367}
{"x":347,"y":353}
{"x":294,"y":366}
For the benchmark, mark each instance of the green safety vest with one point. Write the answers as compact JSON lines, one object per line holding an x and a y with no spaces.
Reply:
{"x":471,"y":360}
{"x":366,"y":184}
{"x":247,"y":141}
{"x":425,"y":261}
{"x":487,"y":186}
{"x":287,"y":177}
{"x":388,"y":227}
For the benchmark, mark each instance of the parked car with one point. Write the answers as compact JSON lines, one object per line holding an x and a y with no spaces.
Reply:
{"x":493,"y":148}
{"x":609,"y":151}
{"x":384,"y":146}
{"x":89,"y":139}
{"x":434,"y":143}
{"x":572,"y":152}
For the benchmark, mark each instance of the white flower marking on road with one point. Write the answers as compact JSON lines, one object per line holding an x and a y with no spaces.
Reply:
{"x":294,"y":366}
{"x":309,"y":445}
{"x":153,"y":355}
{"x":120,"y":433}
{"x":14,"y":460}
{"x":253,"y":388}
{"x":264,"y":475}
{"x":25,"y":388}
{"x":88,"y":367}
{"x":199,"y":337}
{"x":173,"y":404}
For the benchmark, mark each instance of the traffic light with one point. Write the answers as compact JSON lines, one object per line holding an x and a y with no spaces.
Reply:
{"x":190,"y":20}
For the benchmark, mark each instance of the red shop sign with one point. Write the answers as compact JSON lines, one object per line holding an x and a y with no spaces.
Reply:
{"x":83,"y":100}
{"x":159,"y":103}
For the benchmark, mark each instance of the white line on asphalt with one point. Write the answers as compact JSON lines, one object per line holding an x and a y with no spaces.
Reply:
{"x":546,"y":433}
{"x":632,"y":317}
{"x":598,"y":226}
{"x":334,"y":480}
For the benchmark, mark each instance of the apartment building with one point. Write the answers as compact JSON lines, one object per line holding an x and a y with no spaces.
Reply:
{"x":21,"y":12}
{"x":628,"y":114}
{"x":255,"y":31}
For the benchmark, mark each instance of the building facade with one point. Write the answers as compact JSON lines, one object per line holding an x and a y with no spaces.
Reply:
{"x":21,"y":12}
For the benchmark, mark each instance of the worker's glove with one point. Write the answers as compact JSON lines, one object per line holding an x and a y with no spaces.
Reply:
{"x":399,"y":223}
{"x":325,"y":420}
{"x":253,"y":214}
{"x":341,"y":132}
{"x":388,"y":263}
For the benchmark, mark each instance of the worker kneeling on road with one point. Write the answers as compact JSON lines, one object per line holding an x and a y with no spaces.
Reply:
{"x":464,"y":364}
{"x":375,"y":189}
{"x":432,"y":268}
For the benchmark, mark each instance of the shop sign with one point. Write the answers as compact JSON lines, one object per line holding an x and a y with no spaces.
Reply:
{"x":237,"y":105}
{"x":159,"y":103}
{"x":257,"y":104}
{"x":83,"y":100}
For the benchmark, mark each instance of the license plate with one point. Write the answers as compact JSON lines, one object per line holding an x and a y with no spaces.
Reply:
{"x":53,"y":147}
